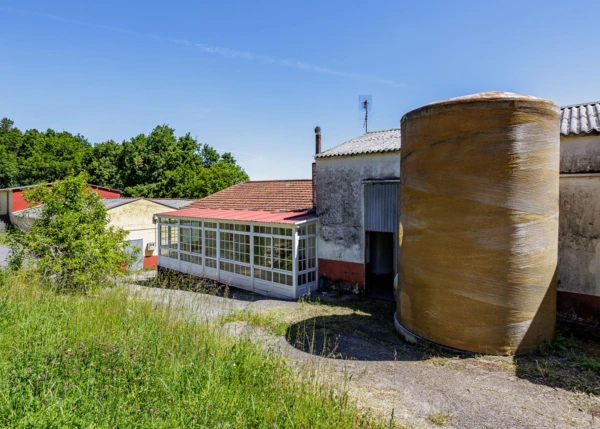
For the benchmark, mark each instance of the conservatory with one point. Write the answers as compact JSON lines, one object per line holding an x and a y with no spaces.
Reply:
{"x":270,"y":253}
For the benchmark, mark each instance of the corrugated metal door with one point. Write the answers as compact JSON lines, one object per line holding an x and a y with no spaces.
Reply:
{"x":138,"y":264}
{"x":381,"y":206}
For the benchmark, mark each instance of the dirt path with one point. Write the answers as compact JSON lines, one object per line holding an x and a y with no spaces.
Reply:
{"x":384,"y":374}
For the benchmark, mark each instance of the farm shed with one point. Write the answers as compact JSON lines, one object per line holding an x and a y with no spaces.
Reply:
{"x":12,"y":201}
{"x":135,"y":215}
{"x":356,"y":193}
{"x":258,"y":236}
{"x":579,"y":220}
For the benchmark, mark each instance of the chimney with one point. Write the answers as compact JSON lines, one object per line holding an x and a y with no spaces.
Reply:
{"x":314,"y":165}
{"x":317,"y":140}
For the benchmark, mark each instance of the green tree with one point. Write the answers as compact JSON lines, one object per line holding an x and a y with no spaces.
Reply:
{"x":71,"y":242}
{"x":103,"y":164}
{"x":49,"y":156}
{"x":10,"y":142}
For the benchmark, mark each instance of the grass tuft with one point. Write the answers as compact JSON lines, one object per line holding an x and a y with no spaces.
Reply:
{"x":110,"y":360}
{"x":440,"y":418}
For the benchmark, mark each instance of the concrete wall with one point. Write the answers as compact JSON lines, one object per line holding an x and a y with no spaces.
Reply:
{"x":5,"y":202}
{"x":580,"y":154}
{"x":137,"y":218}
{"x":339,"y":202}
{"x":579,"y":228}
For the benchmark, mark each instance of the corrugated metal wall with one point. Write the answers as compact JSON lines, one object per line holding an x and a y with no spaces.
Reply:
{"x":381,"y":206}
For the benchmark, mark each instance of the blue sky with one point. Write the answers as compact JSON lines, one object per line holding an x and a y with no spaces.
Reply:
{"x":255,"y":78}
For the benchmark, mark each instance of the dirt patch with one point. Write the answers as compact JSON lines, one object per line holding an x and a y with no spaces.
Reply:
{"x":353,"y":339}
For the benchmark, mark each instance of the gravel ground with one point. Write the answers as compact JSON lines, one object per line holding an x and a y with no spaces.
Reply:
{"x":386,"y":375}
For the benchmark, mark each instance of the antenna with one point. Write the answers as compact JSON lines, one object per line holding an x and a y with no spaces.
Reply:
{"x":365,"y":104}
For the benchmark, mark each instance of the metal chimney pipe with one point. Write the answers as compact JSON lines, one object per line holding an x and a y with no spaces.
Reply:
{"x":317,"y":140}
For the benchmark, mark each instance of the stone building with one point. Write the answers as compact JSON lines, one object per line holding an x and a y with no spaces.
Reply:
{"x":356,"y":196}
{"x":579,"y":218}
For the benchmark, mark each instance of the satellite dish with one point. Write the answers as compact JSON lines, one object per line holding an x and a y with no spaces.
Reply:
{"x":365,"y":104}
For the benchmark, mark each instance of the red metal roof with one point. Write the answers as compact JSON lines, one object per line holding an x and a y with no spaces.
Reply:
{"x":243,"y":215}
{"x":269,"y":195}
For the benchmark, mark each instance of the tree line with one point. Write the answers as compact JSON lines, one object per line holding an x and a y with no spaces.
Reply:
{"x":157,"y":165}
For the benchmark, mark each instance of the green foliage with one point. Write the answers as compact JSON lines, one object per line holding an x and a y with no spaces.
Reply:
{"x":113,"y":361}
{"x":71,"y":243}
{"x":156,"y":165}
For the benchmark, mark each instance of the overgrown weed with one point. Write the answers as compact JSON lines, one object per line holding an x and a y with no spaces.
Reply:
{"x":113,"y":360}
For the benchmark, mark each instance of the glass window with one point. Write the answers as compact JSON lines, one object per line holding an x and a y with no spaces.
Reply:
{"x":263,"y":275}
{"x":312,"y":228}
{"x":242,"y":270}
{"x":263,"y":253}
{"x":210,"y":225}
{"x":186,"y":222}
{"x":302,"y":263}
{"x":191,"y":258}
{"x":284,"y":279}
{"x":168,"y":236}
{"x":196,"y":223}
{"x":312,"y":252}
{"x":185,"y":238}
{"x":227,"y":226}
{"x":196,"y":241}
{"x":210,"y":244}
{"x":235,"y":247}
{"x":282,"y":231}
{"x":227,"y":266}
{"x":168,"y":253}
{"x":241,"y":248}
{"x":307,"y":277}
{"x":282,"y":254}
{"x":262,"y":230}
{"x":210,"y":263}
{"x":226,"y":243}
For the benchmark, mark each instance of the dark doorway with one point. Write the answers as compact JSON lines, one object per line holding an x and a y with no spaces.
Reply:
{"x":380,"y":265}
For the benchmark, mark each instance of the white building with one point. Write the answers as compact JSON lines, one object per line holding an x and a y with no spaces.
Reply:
{"x":258,"y":236}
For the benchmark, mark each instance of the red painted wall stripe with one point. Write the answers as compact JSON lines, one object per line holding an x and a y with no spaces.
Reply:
{"x":343,"y":272}
{"x":586,"y":307}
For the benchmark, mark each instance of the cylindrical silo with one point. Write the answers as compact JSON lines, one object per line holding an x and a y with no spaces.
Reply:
{"x":479,"y":223}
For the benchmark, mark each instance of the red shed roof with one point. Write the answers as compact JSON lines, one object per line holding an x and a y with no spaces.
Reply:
{"x":267,"y":195}
{"x":243,"y":215}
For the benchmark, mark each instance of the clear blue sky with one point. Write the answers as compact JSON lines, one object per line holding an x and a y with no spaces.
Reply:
{"x":255,"y":78}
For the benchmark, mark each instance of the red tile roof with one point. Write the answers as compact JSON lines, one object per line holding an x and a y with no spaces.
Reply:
{"x":268,"y":195}
{"x":243,"y":215}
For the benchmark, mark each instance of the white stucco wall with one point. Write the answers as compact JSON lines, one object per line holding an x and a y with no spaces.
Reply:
{"x":136,"y":217}
{"x":579,"y":234}
{"x":339,"y":201}
{"x":579,"y":216}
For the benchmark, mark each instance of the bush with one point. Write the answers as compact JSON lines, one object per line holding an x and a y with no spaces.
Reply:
{"x":70,"y":241}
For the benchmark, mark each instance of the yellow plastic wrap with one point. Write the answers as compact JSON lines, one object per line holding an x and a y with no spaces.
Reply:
{"x":479,"y":222}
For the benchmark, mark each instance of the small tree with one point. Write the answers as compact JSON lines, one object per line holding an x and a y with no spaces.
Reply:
{"x":70,"y":242}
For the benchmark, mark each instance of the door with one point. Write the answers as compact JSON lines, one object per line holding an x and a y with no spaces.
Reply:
{"x":136,"y":247}
{"x":381,"y":207}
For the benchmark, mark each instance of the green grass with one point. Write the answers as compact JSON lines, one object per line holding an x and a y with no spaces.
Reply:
{"x":440,"y":418}
{"x":569,"y":362}
{"x":113,"y":361}
{"x":270,"y":321}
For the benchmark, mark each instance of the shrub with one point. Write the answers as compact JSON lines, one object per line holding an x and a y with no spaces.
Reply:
{"x":70,"y":241}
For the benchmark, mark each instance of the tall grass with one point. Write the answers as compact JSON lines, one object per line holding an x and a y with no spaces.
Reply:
{"x":110,"y":360}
